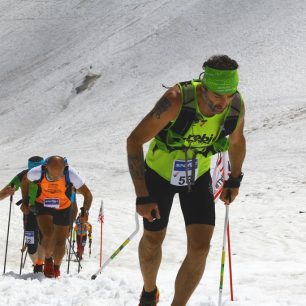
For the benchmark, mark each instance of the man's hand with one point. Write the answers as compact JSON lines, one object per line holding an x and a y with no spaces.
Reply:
{"x":147,"y":211}
{"x":7,"y":191}
{"x":25,"y":208}
{"x":228,"y":195}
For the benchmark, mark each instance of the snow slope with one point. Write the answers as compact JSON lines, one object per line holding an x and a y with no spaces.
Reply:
{"x":47,"y":48}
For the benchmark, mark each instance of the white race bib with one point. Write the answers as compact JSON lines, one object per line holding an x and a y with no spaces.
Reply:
{"x":29,"y":237}
{"x":178,"y":177}
{"x":52,"y":203}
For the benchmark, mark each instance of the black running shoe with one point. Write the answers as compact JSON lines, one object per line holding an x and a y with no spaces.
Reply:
{"x":38,"y":268}
{"x":149,"y":298}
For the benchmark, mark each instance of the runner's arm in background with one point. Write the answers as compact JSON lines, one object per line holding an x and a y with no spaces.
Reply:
{"x":10,"y":189}
{"x":6,"y":192}
{"x":25,"y":185}
{"x":86,"y":193}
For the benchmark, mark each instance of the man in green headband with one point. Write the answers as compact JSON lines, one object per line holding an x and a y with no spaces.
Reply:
{"x":191,"y":122}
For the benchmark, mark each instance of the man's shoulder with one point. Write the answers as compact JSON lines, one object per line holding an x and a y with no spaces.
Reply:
{"x":174,"y":97}
{"x":20,"y":175}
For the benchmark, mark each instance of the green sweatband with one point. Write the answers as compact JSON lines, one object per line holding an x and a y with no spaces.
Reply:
{"x":221,"y":81}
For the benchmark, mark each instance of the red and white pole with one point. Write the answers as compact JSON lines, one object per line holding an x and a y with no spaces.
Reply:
{"x":226,"y":175}
{"x":101,"y":220}
{"x":220,"y":175}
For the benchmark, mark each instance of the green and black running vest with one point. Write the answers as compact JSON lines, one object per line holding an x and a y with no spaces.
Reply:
{"x":192,"y":134}
{"x":16,"y":182}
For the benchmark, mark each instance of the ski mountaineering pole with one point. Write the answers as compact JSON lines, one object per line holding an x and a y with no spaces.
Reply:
{"x":23,"y":248}
{"x":223,"y":255}
{"x":69,"y":251}
{"x":101,"y":220}
{"x":106,"y":263}
{"x":227,"y":170}
{"x":230,"y":260}
{"x":69,"y":240}
{"x":25,"y":258}
{"x":89,"y":247}
{"x":8,"y":232}
{"x":226,"y":234}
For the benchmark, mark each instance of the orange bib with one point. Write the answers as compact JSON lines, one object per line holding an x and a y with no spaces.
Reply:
{"x":53,"y":194}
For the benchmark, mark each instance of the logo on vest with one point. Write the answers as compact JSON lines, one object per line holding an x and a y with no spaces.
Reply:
{"x":205,"y":139}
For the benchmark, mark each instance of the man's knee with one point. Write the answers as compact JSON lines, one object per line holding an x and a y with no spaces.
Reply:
{"x":47,"y":235}
{"x":153,"y":240}
{"x":198,"y":249}
{"x":199,"y":237}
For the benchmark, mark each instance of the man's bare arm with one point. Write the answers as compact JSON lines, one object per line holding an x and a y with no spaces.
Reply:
{"x":236,"y":153}
{"x":165,"y":110}
{"x":237,"y":149}
{"x":25,"y":185}
{"x":6,"y":192}
{"x":86,"y":193}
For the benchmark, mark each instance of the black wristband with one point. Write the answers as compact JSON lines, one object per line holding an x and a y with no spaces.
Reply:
{"x":144,"y":200}
{"x":233,"y":182}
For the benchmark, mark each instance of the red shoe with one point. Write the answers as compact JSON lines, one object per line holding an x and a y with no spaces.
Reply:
{"x":57,"y":271}
{"x":149,"y":298}
{"x":49,"y":267}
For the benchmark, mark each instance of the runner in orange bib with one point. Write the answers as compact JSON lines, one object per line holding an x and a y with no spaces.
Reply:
{"x":56,"y":182}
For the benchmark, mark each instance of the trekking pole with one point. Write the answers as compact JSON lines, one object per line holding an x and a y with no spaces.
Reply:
{"x":8,"y":232}
{"x":223,"y":255}
{"x":230,"y":260}
{"x":79,"y":265}
{"x":101,"y":220}
{"x":89,"y":247}
{"x":73,"y":242}
{"x":25,"y":258}
{"x":106,"y":263}
{"x":69,"y":252}
{"x":69,"y":241}
{"x":23,"y":248}
{"x":226,"y":168}
{"x":77,"y":259}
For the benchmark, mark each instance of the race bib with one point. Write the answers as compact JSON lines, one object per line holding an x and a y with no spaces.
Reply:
{"x":178,"y":177}
{"x":52,"y":203}
{"x":29,"y":237}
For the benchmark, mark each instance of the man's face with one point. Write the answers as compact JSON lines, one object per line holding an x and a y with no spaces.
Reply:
{"x":55,"y":168}
{"x":217,"y":103}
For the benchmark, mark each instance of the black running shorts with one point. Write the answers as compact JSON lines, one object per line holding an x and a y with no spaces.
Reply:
{"x":198,"y":205}
{"x":60,"y":216}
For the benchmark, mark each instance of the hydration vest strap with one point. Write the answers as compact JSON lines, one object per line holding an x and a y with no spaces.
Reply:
{"x":186,"y":116}
{"x":231,"y":120}
{"x":68,"y":183}
{"x":188,"y":110}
